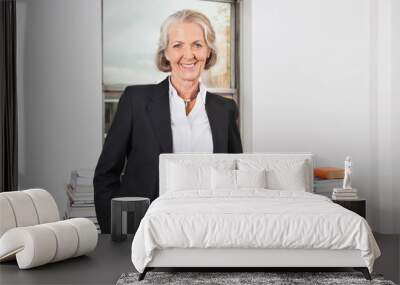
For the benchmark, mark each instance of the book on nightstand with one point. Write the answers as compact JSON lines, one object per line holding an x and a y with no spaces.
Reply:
{"x":344,"y":194}
{"x":325,"y":186}
{"x":329,"y":172}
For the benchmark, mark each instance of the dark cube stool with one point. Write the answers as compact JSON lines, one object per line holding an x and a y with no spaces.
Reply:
{"x":121,"y":209}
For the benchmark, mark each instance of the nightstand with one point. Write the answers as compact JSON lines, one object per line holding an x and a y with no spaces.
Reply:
{"x":358,"y":206}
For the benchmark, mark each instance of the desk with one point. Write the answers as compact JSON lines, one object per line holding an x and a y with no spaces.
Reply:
{"x":102,"y":266}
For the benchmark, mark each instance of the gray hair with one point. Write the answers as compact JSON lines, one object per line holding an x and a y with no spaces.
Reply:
{"x":188,"y":16}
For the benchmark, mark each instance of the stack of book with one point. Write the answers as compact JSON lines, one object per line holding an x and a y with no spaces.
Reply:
{"x":329,"y":172}
{"x":81,"y":196}
{"x":326,"y":179}
{"x":325,"y":186}
{"x":344,"y":194}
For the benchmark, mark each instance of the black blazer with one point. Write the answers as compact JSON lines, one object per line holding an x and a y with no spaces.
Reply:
{"x":140,"y":131}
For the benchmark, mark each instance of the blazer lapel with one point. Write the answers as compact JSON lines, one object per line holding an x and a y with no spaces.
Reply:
{"x":160,"y":116}
{"x":214,"y":112}
{"x":159,"y":112}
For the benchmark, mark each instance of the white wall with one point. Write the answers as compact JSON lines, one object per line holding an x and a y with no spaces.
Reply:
{"x":59,"y":91}
{"x":320,"y":83}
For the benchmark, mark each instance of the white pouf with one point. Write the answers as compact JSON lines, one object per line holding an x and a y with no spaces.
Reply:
{"x":37,"y":245}
{"x":30,"y":230}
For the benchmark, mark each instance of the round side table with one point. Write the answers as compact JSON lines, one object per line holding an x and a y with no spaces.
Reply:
{"x":120,"y":207}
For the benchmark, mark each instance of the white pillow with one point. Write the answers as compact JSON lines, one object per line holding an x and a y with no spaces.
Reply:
{"x":183,"y":178}
{"x":288,"y":179}
{"x":186,"y":174}
{"x":251,"y":178}
{"x":223,"y":179}
{"x":237,"y":179}
{"x":282,"y":174}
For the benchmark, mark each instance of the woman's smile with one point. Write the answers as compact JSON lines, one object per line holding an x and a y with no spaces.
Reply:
{"x":188,"y":66}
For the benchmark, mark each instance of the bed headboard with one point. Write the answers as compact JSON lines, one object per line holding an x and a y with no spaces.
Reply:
{"x":164,"y":158}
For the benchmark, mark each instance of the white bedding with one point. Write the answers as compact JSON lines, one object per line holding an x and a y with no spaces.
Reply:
{"x":250,"y":218}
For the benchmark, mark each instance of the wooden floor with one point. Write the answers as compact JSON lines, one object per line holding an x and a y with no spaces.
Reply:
{"x":110,"y":260}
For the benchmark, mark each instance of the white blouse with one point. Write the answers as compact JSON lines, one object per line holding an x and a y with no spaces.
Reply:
{"x":191,"y":133}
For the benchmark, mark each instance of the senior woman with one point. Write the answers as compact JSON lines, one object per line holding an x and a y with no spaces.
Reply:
{"x":176,"y":115}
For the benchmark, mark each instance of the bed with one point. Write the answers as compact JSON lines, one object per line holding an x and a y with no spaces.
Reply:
{"x":245,"y":211}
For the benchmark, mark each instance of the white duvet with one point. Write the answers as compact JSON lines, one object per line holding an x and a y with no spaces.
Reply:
{"x":250,"y":218}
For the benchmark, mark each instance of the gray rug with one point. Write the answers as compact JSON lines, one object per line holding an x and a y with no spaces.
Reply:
{"x":230,"y":278}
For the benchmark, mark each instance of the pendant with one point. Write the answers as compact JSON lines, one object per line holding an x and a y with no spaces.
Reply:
{"x":187,"y":101}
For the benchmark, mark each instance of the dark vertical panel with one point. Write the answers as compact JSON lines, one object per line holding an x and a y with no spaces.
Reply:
{"x":8,"y":98}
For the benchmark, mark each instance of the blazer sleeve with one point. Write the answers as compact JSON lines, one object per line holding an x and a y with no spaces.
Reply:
{"x":234,"y":141}
{"x":107,"y":176}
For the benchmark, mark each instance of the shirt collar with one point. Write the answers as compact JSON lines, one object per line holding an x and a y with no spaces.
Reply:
{"x":202,"y":92}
